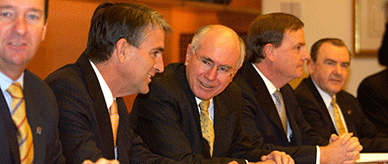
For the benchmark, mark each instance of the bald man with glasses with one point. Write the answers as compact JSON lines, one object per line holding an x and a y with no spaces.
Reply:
{"x":193,"y":111}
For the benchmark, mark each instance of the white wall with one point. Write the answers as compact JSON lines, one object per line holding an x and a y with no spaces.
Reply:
{"x":330,"y":18}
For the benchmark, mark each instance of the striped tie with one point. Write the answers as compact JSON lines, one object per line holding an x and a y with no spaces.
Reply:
{"x":206,"y":125}
{"x":114,"y":119}
{"x":24,"y":137}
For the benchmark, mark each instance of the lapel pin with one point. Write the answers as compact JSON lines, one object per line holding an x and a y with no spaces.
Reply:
{"x":349,"y":111}
{"x":39,"y":130}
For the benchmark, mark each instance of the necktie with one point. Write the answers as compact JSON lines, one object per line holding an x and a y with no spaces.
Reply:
{"x":337,"y":117}
{"x":114,"y":119}
{"x":24,"y":137}
{"x":206,"y":124}
{"x":281,"y":109}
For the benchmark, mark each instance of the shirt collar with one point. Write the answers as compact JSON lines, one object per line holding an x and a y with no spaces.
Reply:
{"x":271,"y":88}
{"x":199,"y":101}
{"x":5,"y":81}
{"x":326,"y":97}
{"x":104,"y":87}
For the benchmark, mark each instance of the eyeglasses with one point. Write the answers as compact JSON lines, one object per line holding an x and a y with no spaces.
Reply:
{"x":222,"y":70}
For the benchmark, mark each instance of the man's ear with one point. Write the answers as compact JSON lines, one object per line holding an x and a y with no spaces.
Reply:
{"x":44,"y":31}
{"x":269,"y":51}
{"x":121,"y":49}
{"x":310,"y":66}
{"x":189,"y":52}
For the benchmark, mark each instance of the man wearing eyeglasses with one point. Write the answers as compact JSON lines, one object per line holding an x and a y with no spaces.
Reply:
{"x":193,"y":111}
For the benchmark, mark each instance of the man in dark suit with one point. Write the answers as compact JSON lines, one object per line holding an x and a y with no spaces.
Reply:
{"x":372,"y":91}
{"x":124,"y":51}
{"x":29,"y":116}
{"x":276,"y":53}
{"x":171,"y":119}
{"x":326,"y":106}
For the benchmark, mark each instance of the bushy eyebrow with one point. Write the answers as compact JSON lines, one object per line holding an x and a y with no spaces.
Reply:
{"x":158,"y":49}
{"x":326,"y":60}
{"x":6,"y":7}
{"x":225,"y":66}
{"x":36,"y":10}
{"x":12,"y":7}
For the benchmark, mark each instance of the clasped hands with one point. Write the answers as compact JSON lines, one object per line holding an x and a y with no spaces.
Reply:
{"x":341,"y":149}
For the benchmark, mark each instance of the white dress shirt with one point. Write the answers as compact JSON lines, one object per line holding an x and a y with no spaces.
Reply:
{"x":108,"y":96}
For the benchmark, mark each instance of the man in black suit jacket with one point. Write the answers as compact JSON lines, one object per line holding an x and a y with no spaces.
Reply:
{"x":373,"y":97}
{"x":383,"y":51}
{"x":328,"y":70}
{"x":372,"y":91}
{"x":168,"y":117}
{"x":120,"y":64}
{"x":275,"y":58}
{"x":20,"y":38}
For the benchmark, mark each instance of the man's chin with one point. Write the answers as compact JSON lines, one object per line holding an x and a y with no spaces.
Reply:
{"x":144,"y":90}
{"x":203,"y":97}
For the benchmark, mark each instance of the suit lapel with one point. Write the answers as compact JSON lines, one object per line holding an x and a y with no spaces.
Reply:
{"x":291,"y":106}
{"x":262,"y":95}
{"x":10,"y":130}
{"x":222,"y":115}
{"x":321,"y":103}
{"x":101,"y":111}
{"x":346,"y":112}
{"x":288,"y":105}
{"x":37,"y":120}
{"x":123,"y":132}
{"x":181,"y":76}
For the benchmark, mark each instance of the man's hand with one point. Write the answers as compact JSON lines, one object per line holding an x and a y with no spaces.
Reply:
{"x":342,"y":149}
{"x":278,"y":158}
{"x":101,"y":161}
{"x":333,"y":138}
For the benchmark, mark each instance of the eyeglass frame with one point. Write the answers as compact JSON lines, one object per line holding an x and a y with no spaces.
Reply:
{"x":205,"y":60}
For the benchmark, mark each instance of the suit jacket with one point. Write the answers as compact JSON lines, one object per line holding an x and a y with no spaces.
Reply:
{"x":85,"y":128}
{"x":373,"y":97}
{"x":262,"y":122}
{"x":42,"y":116}
{"x":383,"y":51}
{"x":167,"y":118}
{"x":316,"y":113}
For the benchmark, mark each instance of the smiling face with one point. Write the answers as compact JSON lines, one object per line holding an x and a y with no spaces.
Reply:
{"x":142,"y":63}
{"x":221,"y":48}
{"x":330,"y":70}
{"x":290,"y":55}
{"x":22,"y":28}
